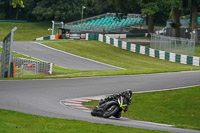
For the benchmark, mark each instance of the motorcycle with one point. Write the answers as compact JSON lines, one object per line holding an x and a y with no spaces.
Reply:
{"x":111,"y":108}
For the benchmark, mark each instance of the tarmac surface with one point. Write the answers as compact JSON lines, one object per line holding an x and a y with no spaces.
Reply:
{"x":43,"y":97}
{"x":60,"y":58}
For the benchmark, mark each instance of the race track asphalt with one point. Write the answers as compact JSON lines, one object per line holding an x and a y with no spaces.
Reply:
{"x":42,"y":97}
{"x":59,"y":58}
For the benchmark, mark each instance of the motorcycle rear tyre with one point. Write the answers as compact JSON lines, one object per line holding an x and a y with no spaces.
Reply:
{"x":113,"y":112}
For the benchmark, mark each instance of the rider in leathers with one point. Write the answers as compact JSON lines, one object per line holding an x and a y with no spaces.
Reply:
{"x":126,"y":94}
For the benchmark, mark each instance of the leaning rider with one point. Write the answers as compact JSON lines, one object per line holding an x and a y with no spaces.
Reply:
{"x":126,"y":94}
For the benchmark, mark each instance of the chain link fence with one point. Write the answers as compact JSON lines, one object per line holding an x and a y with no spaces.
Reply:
{"x":172,"y":44}
{"x":35,"y":66}
{"x":29,"y":69}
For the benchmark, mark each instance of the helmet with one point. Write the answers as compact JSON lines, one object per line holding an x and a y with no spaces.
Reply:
{"x":128,"y":94}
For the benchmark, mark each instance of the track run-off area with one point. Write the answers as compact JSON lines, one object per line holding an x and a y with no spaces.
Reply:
{"x":43,"y":97}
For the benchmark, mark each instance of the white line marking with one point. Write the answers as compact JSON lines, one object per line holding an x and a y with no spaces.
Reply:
{"x":152,"y":123}
{"x":78,"y":56}
{"x":72,"y":104}
{"x":167,"y":89}
{"x":80,"y":100}
{"x":80,"y":107}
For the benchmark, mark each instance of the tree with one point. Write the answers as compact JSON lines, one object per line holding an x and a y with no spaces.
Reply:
{"x":193,"y":17}
{"x":124,"y":6}
{"x":176,"y":21}
{"x":96,"y":7}
{"x":176,"y":7}
{"x":27,"y":11}
{"x":58,"y":10}
{"x":6,"y":9}
{"x":17,"y":2}
{"x":149,"y":7}
{"x":3,"y":6}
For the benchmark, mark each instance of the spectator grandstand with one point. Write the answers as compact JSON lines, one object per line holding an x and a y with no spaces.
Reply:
{"x":106,"y":23}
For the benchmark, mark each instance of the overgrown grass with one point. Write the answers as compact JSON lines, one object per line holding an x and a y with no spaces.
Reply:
{"x":15,"y":122}
{"x":176,"y":107}
{"x":25,"y":31}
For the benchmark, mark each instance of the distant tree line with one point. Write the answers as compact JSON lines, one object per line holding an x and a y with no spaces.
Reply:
{"x":65,"y":10}
{"x":157,"y":11}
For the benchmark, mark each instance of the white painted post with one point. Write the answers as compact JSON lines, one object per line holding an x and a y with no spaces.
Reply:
{"x":53,"y":23}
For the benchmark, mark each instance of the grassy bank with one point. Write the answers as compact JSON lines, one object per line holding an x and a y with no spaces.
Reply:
{"x":132,"y":62}
{"x":197,"y":50}
{"x":15,"y":122}
{"x":176,"y":107}
{"x":25,"y":31}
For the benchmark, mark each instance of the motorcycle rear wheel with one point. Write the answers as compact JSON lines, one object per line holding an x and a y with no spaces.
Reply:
{"x":111,"y":109}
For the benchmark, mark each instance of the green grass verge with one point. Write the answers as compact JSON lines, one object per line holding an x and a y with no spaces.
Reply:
{"x":197,"y":50}
{"x":176,"y":107}
{"x":25,"y":31}
{"x":132,"y":62}
{"x":15,"y":122}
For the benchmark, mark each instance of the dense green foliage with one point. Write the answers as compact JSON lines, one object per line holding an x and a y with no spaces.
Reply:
{"x":57,"y":9}
{"x":71,"y":10}
{"x":176,"y":107}
{"x":62,"y":10}
{"x":17,"y":2}
{"x":155,"y":11}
